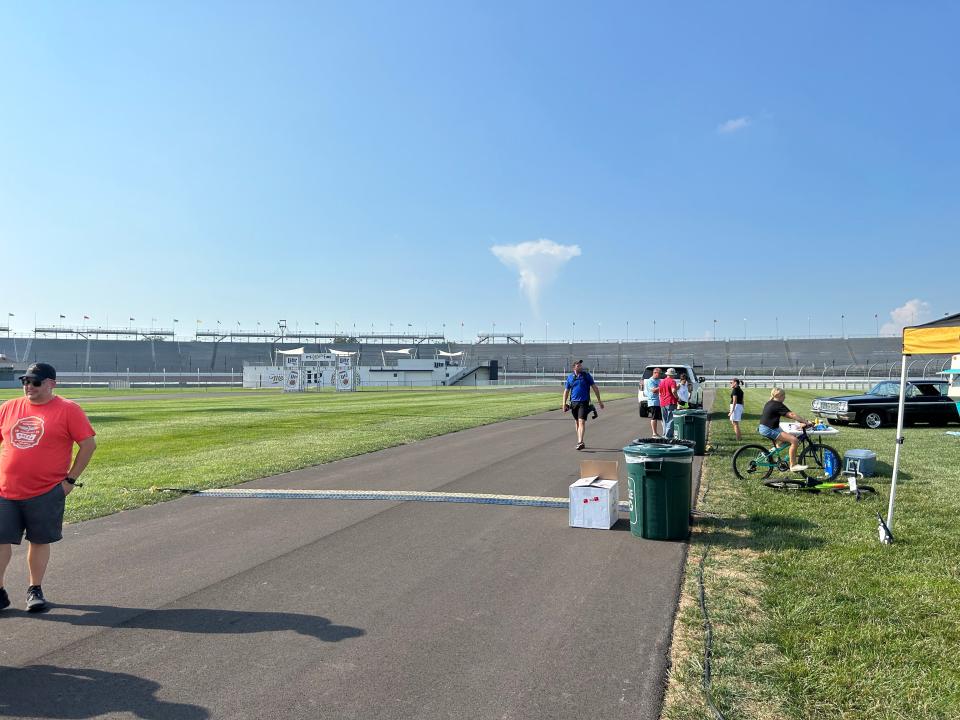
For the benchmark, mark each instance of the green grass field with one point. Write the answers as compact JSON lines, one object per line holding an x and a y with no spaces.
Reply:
{"x":812,"y":616}
{"x":198,"y":440}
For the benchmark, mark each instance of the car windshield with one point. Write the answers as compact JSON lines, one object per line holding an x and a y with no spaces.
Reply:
{"x":927,"y":389}
{"x":885,"y":389}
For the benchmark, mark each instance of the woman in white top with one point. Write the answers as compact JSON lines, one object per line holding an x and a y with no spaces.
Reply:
{"x":683,"y":390}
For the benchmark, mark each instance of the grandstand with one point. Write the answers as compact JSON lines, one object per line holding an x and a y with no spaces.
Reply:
{"x":128,"y":351}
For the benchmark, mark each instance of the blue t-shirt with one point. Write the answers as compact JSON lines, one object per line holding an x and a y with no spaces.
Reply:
{"x":651,"y":388}
{"x":579,"y":387}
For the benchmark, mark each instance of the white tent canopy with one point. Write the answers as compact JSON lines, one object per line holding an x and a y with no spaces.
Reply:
{"x":298,"y":351}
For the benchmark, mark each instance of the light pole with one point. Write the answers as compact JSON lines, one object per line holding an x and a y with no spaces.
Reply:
{"x":843,"y":325}
{"x":654,"y":330}
{"x":598,"y":332}
{"x":714,"y":329}
{"x":628,"y":331}
{"x":744,"y":328}
{"x":776,"y":321}
{"x":573,"y":333}
{"x":876,"y":321}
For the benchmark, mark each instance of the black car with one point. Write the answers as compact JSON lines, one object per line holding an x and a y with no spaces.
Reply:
{"x":925,"y":401}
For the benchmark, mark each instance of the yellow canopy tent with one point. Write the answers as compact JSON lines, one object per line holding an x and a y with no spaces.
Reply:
{"x":940,"y":337}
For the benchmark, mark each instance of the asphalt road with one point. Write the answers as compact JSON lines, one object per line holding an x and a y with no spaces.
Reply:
{"x":224,"y":608}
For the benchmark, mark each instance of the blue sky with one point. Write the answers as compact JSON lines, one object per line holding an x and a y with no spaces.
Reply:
{"x":772,"y":167}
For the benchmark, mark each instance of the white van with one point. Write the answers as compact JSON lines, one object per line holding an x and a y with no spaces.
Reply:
{"x":696,"y":381}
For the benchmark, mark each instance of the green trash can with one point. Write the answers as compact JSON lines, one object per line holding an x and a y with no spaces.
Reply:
{"x":658,"y":487}
{"x":679,"y":424}
{"x":692,"y":425}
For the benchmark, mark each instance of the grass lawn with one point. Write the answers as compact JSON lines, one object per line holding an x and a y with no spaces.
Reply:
{"x":209,"y":441}
{"x":812,"y":617}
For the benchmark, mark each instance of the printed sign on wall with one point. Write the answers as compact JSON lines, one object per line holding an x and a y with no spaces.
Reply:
{"x":344,"y":373}
{"x":294,"y":378}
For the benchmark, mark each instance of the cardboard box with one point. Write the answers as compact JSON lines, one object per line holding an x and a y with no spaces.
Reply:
{"x":595,"y":497}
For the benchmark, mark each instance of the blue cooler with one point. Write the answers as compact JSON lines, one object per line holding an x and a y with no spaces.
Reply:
{"x":867,"y":459}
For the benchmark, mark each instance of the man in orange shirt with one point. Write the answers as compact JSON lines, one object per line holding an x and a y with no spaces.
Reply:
{"x":37,"y":435}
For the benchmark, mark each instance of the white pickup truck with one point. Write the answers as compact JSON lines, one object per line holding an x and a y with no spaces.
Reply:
{"x":696,"y":381}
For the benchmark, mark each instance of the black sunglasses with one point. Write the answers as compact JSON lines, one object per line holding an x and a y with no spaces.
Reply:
{"x":28,"y":381}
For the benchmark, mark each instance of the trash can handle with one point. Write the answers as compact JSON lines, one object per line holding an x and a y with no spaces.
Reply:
{"x":648,"y":463}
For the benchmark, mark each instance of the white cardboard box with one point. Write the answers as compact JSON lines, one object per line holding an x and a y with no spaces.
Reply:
{"x":595,"y":497}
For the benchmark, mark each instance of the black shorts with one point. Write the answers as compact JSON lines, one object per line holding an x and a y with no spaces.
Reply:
{"x":654,"y":413}
{"x":580,"y":410}
{"x":41,"y":517}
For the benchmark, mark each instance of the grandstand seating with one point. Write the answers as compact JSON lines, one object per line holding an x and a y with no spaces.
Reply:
{"x":803,"y":355}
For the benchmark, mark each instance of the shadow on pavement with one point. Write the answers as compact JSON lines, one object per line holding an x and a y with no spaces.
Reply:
{"x":54,"y":692}
{"x":206,"y":621}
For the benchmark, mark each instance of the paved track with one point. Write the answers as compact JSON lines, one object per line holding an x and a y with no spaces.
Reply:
{"x":221,"y":608}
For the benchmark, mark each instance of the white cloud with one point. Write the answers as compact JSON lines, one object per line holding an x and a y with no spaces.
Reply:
{"x":538,"y":263}
{"x":912,"y":312}
{"x":732,"y":126}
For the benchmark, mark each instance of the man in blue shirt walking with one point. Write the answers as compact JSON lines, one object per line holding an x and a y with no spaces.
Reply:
{"x":576,"y":398}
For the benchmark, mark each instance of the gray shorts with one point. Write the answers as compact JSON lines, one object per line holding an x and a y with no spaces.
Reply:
{"x":41,"y":517}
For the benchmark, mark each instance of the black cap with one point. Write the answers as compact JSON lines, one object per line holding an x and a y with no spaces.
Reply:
{"x":579,"y":362}
{"x":40,"y":371}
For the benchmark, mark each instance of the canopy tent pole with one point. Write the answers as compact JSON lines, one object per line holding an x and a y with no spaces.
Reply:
{"x":896,"y":452}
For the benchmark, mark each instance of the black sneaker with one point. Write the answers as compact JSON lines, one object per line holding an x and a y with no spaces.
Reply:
{"x":4,"y":599}
{"x":35,"y":600}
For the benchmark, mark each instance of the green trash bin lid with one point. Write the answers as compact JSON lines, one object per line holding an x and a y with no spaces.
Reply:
{"x":662,"y":452}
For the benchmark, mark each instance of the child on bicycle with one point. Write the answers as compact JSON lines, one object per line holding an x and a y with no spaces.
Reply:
{"x":770,"y":425}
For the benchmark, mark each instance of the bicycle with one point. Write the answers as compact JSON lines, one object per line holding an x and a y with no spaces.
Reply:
{"x":822,"y":461}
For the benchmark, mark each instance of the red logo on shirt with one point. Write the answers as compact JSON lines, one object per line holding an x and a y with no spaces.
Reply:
{"x":26,"y":433}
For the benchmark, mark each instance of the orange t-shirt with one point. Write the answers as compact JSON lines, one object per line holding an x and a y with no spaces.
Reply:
{"x":37,"y":447}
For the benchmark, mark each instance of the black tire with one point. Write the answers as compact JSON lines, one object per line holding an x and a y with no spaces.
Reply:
{"x":745,"y":463}
{"x":862,"y":489}
{"x":786,"y":484}
{"x":813,"y":456}
{"x":872,"y":419}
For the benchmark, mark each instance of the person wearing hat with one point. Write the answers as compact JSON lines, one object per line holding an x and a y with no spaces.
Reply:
{"x":668,"y":401}
{"x":37,"y":471}
{"x":576,"y":398}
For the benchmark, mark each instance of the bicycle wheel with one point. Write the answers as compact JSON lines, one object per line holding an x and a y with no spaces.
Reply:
{"x":786,"y":484}
{"x":814,"y":456}
{"x":861,"y":490}
{"x":751,"y":461}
